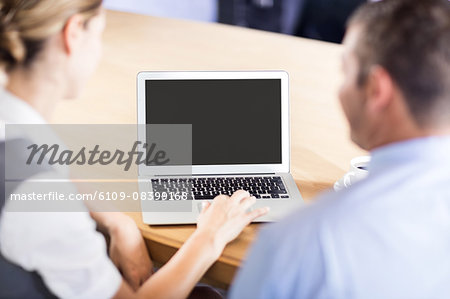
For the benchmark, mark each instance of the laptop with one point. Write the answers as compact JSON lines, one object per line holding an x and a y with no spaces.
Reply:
{"x":236,"y":125}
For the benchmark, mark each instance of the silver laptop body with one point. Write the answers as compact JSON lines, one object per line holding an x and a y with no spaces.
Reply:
{"x":240,"y":140}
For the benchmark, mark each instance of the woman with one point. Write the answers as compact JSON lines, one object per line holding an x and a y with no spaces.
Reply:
{"x":47,"y":51}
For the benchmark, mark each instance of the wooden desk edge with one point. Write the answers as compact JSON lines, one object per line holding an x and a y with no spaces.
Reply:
{"x":162,"y":248}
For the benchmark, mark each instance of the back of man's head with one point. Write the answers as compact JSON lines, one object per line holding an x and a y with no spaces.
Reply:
{"x":411,"y":40}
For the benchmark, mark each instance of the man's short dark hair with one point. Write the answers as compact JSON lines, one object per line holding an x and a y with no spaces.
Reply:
{"x":411,"y":40}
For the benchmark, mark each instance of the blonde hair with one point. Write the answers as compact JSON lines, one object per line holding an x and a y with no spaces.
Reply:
{"x":25,"y":25}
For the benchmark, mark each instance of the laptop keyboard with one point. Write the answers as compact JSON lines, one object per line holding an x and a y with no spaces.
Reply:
{"x":206,"y":188}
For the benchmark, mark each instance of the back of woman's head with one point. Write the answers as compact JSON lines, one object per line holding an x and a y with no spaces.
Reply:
{"x":25,"y":26}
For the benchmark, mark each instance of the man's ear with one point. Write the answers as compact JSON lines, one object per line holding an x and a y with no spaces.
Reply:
{"x":379,"y":89}
{"x":72,"y":33}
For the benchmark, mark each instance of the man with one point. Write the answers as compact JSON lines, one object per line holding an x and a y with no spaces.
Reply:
{"x":386,"y":236}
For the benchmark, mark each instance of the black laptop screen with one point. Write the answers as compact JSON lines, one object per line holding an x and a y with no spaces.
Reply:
{"x":234,"y":121}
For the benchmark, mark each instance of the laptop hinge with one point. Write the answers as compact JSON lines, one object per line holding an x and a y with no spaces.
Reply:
{"x":198,"y":174}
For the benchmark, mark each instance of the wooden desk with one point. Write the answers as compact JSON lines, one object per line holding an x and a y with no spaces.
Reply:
{"x":320,"y":147}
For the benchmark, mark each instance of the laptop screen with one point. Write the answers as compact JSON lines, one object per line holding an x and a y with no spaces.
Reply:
{"x":234,"y":121}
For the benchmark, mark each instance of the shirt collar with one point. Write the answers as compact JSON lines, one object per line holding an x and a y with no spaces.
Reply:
{"x":428,"y":149}
{"x":16,"y":111}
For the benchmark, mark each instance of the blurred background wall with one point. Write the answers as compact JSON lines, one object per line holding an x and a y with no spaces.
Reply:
{"x":200,"y":10}
{"x":318,"y":19}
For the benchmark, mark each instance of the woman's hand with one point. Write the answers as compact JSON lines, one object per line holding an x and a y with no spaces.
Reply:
{"x":226,"y":217}
{"x":218,"y":224}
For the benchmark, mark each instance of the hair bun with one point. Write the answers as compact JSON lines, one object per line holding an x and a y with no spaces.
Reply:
{"x":26,"y":25}
{"x":12,"y":48}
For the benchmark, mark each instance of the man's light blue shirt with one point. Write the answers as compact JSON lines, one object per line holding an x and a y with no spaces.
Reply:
{"x":387,"y":236}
